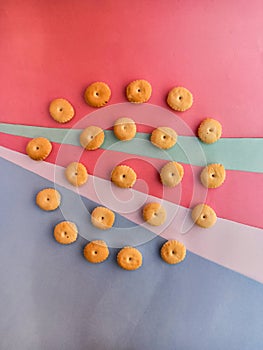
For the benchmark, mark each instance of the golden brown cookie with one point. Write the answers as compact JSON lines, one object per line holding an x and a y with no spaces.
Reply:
{"x":163,"y":137}
{"x":154,"y":214}
{"x":138,"y":91}
{"x":173,"y":252}
{"x":180,"y":99}
{"x":123,"y":176}
{"x":91,"y":138}
{"x":38,"y":148}
{"x":171,"y":174}
{"x":124,"y":129}
{"x":96,"y":251}
{"x":129,"y":258}
{"x":210,"y":130}
{"x":61,"y":110}
{"x":48,"y":199}
{"x":76,"y":173}
{"x":97,"y":94}
{"x":213,"y":175}
{"x":204,"y":216}
{"x":65,"y":232}
{"x":102,"y":218}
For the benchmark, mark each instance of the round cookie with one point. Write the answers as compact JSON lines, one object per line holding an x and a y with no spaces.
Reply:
{"x":102,"y":218}
{"x":179,"y":99}
{"x":48,"y":199}
{"x":91,"y":138}
{"x":204,"y":216}
{"x":138,"y":91}
{"x":124,"y":129}
{"x":38,"y":148}
{"x":213,"y":175}
{"x":65,"y":232}
{"x":163,"y":137}
{"x":97,"y":94}
{"x":123,"y":176}
{"x":76,"y":174}
{"x":96,"y":251}
{"x":61,"y":110}
{"x":154,"y":214}
{"x":173,"y":252}
{"x":129,"y":258}
{"x":209,"y":131}
{"x":171,"y":174}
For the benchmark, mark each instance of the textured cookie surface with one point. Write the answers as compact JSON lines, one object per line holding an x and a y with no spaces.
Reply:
{"x":173,"y":252}
{"x":154,"y":214}
{"x":213,"y":175}
{"x":48,"y":199}
{"x":171,"y":174}
{"x":91,"y":138}
{"x":61,"y":110}
{"x":163,"y":137}
{"x":204,"y":216}
{"x":124,"y":129}
{"x":38,"y":148}
{"x":210,"y":130}
{"x":65,"y":232}
{"x":102,"y":218}
{"x":97,"y":94}
{"x":129,"y":258}
{"x":139,"y":91}
{"x":96,"y":251}
{"x":180,"y":99}
{"x":123,"y":176}
{"x":76,"y":173}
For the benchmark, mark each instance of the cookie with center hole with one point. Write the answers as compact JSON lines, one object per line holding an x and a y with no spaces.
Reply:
{"x":76,"y":174}
{"x":171,"y":174}
{"x":97,"y":94}
{"x":38,"y":148}
{"x":48,"y":199}
{"x":154,"y":214}
{"x":213,"y":175}
{"x":124,"y":129}
{"x":96,"y":251}
{"x":164,"y":137}
{"x":91,"y":138}
{"x":61,"y":110}
{"x":173,"y":252}
{"x":209,"y":131}
{"x":180,"y":99}
{"x":203,"y":215}
{"x":123,"y":176}
{"x":65,"y":232}
{"x":102,"y":218}
{"x":139,"y":91}
{"x":129,"y":258}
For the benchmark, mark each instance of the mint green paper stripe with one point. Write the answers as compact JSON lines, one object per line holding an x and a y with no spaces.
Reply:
{"x":245,"y":154}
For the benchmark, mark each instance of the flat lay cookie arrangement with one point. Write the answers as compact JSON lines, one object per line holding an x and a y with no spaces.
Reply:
{"x":131,"y":175}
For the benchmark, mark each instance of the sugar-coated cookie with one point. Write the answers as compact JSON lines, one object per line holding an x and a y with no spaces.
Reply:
{"x":48,"y":199}
{"x":76,"y":174}
{"x":97,"y":94}
{"x":173,"y":252}
{"x":129,"y":258}
{"x":163,"y":137}
{"x":65,"y":232}
{"x":96,"y":251}
{"x":91,"y":138}
{"x":210,"y":130}
{"x":139,"y":91}
{"x":213,"y":175}
{"x":123,"y":176}
{"x":180,"y":99}
{"x":102,"y":218}
{"x":204,"y":216}
{"x":154,"y":214}
{"x":61,"y":110}
{"x":38,"y":148}
{"x":124,"y":129}
{"x":171,"y":174}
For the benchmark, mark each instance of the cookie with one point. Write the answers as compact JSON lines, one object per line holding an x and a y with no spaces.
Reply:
{"x":102,"y":218}
{"x":91,"y":138}
{"x":210,"y":130}
{"x":123,"y":176}
{"x":76,"y":174}
{"x":154,"y":214}
{"x":96,"y":251}
{"x":61,"y":110}
{"x":38,"y":148}
{"x":204,"y":216}
{"x":138,"y":91}
{"x":124,"y":129}
{"x":97,"y":94}
{"x":179,"y":99}
{"x":129,"y":258}
{"x":213,"y":175}
{"x":171,"y":174}
{"x":65,"y":232}
{"x":163,"y":137}
{"x":48,"y":199}
{"x":173,"y":252}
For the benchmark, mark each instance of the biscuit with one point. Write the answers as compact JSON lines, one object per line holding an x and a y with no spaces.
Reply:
{"x":210,"y":130}
{"x":129,"y":258}
{"x":65,"y":232}
{"x":163,"y":137}
{"x":171,"y":174}
{"x":102,"y":218}
{"x":76,"y":174}
{"x":38,"y":148}
{"x":203,"y":215}
{"x":61,"y":110}
{"x":124,"y":129}
{"x":97,"y":94}
{"x":96,"y":251}
{"x":179,"y":99}
{"x":123,"y":176}
{"x":173,"y":252}
{"x":213,"y":175}
{"x":91,"y":138}
{"x":48,"y":199}
{"x":154,"y":214}
{"x":138,"y":91}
